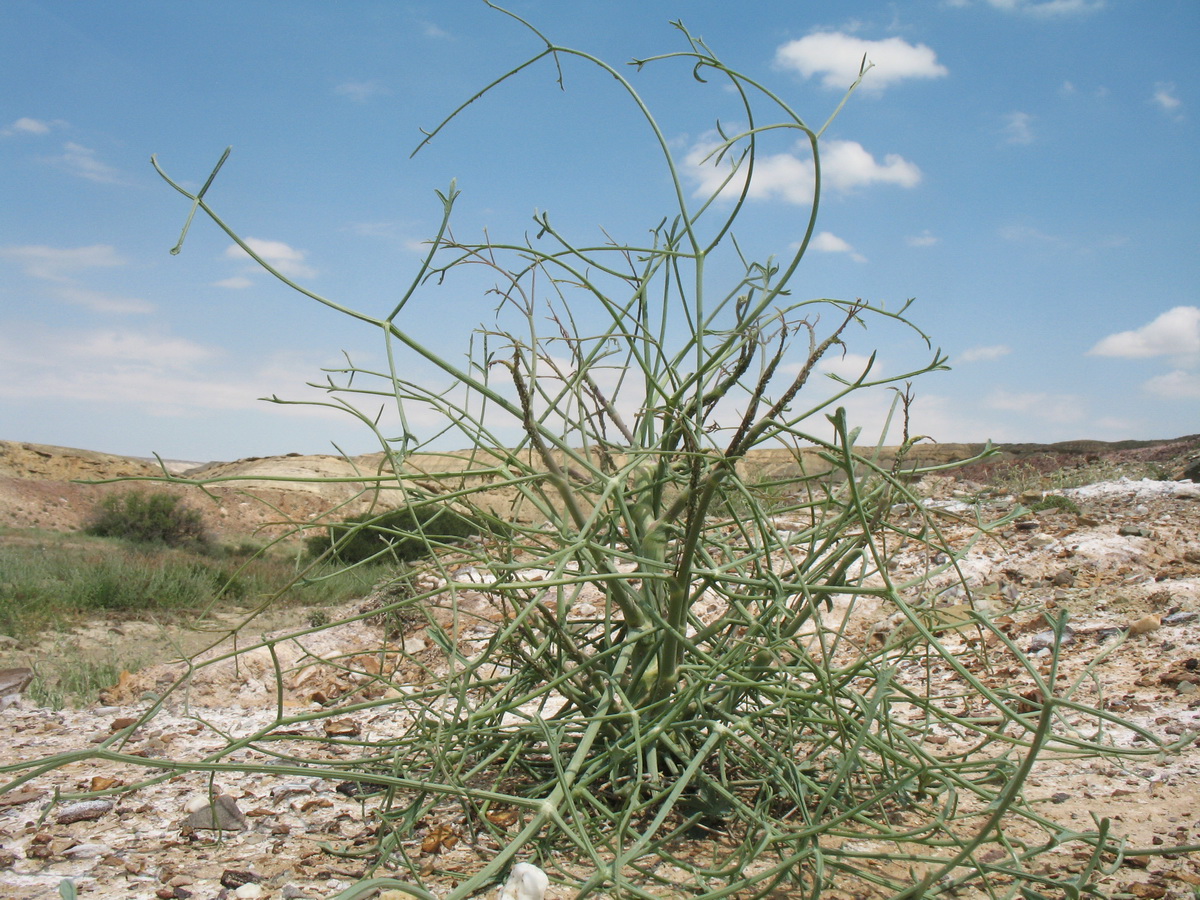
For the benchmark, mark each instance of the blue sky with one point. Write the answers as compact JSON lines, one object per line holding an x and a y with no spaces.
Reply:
{"x":1026,"y":169}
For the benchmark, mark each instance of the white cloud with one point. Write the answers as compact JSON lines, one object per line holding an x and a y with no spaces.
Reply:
{"x":25,"y":125}
{"x":133,"y":348}
{"x":388,"y":230}
{"x":82,"y":162}
{"x":58,"y":265}
{"x":845,"y":166}
{"x":984,"y":354}
{"x":30,"y":126}
{"x":1165,"y":98}
{"x":837,"y":58}
{"x":1177,"y":385}
{"x":288,"y":260}
{"x":360,"y":91}
{"x":54,"y":263}
{"x":101,"y":302}
{"x":1164,"y":95}
{"x":1049,"y":8}
{"x":847,"y":365}
{"x":154,"y":373}
{"x":924,"y":239}
{"x":236,"y":283}
{"x":1026,"y":233}
{"x":1017,"y":128}
{"x":1174,"y":333}
{"x":827,"y":242}
{"x":1038,"y":404}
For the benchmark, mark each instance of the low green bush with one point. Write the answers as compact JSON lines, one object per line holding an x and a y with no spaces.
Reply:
{"x":401,"y":535}
{"x":1056,"y":501}
{"x":149,"y":518}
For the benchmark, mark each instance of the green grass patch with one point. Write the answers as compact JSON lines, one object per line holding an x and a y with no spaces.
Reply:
{"x":50,"y":581}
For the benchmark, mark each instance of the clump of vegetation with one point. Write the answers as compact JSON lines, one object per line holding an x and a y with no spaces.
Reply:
{"x":145,"y":517}
{"x":400,"y":535}
{"x":666,"y":687}
{"x":54,"y":580}
{"x":1060,"y":473}
{"x":1056,"y":501}
{"x":58,"y":686}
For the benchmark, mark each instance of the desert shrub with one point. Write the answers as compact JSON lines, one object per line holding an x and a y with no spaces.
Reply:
{"x":1056,"y":501}
{"x":667,"y":656}
{"x":400,"y":535}
{"x":149,"y":518}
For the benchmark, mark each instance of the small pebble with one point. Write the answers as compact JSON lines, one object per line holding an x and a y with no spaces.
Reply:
{"x":84,"y":811}
{"x":87,"y":851}
{"x":1145,"y":624}
{"x":1180,"y":618}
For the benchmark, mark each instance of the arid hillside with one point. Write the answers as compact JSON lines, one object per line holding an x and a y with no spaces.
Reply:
{"x":58,"y":488}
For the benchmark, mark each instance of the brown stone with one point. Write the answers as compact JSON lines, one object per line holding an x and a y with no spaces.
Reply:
{"x":13,"y":681}
{"x":222,"y":815}
{"x":1145,"y":624}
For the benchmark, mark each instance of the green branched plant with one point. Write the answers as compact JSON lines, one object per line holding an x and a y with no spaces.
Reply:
{"x":669,"y":697}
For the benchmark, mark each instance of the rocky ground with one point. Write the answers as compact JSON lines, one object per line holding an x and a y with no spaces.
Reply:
{"x":1124,"y":562}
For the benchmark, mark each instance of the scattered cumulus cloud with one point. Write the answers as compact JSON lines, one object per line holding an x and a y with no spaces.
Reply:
{"x":135,"y":348}
{"x":984,"y":354}
{"x":154,"y":372}
{"x":924,"y":239}
{"x":848,"y":365}
{"x":57,"y":263}
{"x":1174,"y":333}
{"x":27,"y":126}
{"x":360,"y":91}
{"x":845,"y":166}
{"x":374,"y":229}
{"x":1177,"y":385}
{"x":432,"y":30}
{"x":59,"y":268}
{"x":286,"y":259}
{"x":1028,"y":234}
{"x":236,"y":283}
{"x":1049,"y":8}
{"x":82,"y":162}
{"x":393,"y":232}
{"x":1018,"y":128}
{"x":1038,"y":404}
{"x":837,"y":58}
{"x":828,"y":242}
{"x":1165,"y":98}
{"x":103,"y":302}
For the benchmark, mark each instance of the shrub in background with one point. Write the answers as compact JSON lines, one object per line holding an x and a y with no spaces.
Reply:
{"x":402,"y":535}
{"x":149,"y":518}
